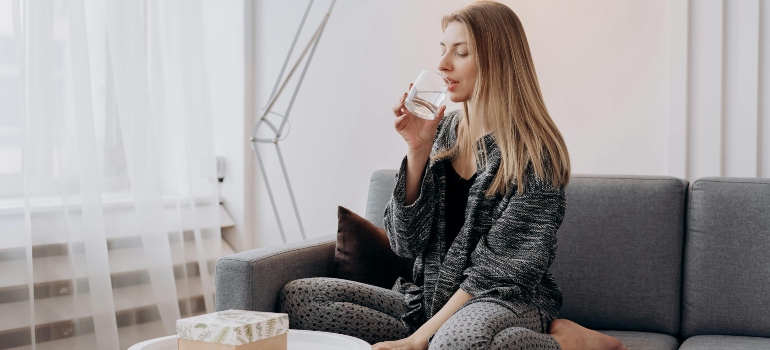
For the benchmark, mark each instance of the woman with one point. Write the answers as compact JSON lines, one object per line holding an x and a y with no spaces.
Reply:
{"x":478,"y":200}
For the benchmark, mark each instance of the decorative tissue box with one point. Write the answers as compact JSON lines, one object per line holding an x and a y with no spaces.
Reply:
{"x":233,"y":330}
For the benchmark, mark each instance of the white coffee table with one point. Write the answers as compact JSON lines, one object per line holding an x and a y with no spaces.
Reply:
{"x":298,"y":340}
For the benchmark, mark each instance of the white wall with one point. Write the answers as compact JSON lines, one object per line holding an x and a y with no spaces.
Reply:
{"x":603,"y":68}
{"x":603,"y":71}
{"x":631,"y":85}
{"x":719,"y":117}
{"x":223,"y":41}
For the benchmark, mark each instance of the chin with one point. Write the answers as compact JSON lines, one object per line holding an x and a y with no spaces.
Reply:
{"x":457,"y":98}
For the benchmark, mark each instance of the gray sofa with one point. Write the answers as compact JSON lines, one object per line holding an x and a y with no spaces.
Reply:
{"x":645,"y":259}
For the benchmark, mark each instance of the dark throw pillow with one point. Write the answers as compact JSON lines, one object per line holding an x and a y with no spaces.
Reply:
{"x":363,"y":253}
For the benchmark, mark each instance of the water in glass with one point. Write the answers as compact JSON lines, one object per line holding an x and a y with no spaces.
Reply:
{"x":427,"y":95}
{"x":420,"y":105}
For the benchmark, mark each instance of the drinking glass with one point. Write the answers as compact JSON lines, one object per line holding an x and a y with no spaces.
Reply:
{"x":427,"y":94}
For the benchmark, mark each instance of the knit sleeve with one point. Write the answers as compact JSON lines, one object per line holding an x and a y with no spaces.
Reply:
{"x":511,"y":259}
{"x":409,"y":226}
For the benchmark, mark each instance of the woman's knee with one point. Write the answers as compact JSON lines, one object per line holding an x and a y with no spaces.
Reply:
{"x":485,"y":325}
{"x":509,"y":338}
{"x":296,"y":293}
{"x":303,"y":291}
{"x":471,"y":327}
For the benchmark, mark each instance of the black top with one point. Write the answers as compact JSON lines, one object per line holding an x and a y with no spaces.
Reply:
{"x":457,"y":190}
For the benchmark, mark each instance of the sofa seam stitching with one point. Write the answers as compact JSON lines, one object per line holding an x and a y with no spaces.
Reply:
{"x":734,"y":182}
{"x":251,"y":288}
{"x":276,"y":253}
{"x":630,"y":178}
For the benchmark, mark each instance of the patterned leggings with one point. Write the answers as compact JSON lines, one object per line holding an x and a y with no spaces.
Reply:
{"x":372,"y":314}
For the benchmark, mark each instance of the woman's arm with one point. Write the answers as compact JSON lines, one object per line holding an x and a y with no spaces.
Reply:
{"x":409,"y":214}
{"x":409,"y":226}
{"x":419,"y":339}
{"x":417,"y":161}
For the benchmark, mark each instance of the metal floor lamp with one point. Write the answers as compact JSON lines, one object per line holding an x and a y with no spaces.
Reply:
{"x":311,"y":45}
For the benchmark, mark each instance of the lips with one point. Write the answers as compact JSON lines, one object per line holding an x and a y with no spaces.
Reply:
{"x":452,"y":84}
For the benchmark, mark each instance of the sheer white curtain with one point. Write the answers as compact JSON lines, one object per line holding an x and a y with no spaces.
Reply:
{"x":109,"y":210}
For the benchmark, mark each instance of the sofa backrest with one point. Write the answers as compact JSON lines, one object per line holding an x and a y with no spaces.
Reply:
{"x":619,"y":254}
{"x":381,"y":186}
{"x":727,"y":258}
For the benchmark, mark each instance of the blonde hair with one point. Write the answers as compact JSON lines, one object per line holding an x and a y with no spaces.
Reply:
{"x":507,"y":101}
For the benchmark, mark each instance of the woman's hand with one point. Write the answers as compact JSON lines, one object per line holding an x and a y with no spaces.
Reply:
{"x":410,"y":343}
{"x":417,"y":132}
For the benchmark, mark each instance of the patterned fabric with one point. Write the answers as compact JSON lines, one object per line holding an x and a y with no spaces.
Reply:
{"x":372,"y":313}
{"x":488,"y":325}
{"x":503,"y":251}
{"x":335,"y":305}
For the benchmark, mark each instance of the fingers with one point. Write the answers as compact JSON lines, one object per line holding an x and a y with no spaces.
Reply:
{"x":381,"y":346}
{"x":440,"y":114}
{"x":399,"y":123}
{"x":397,"y":109}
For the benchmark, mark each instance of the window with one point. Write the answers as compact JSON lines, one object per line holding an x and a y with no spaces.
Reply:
{"x":10,"y":108}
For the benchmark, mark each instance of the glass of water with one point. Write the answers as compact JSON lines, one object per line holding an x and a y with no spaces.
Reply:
{"x":427,"y":94}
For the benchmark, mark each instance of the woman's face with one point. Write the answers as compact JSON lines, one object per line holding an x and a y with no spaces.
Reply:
{"x":458,"y":62}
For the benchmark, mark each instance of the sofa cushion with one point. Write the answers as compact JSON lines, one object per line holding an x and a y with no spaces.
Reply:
{"x":725,"y":342}
{"x":381,"y":185}
{"x":619,"y":256}
{"x":363,"y":253}
{"x":644,"y":341}
{"x":727,"y":258}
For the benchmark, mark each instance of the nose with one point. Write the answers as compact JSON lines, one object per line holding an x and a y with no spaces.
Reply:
{"x":444,"y":64}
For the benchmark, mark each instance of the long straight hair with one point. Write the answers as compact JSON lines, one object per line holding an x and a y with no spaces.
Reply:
{"x":506,"y":100}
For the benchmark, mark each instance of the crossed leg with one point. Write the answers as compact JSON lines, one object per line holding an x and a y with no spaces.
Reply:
{"x":372,"y":313}
{"x":340,"y":306}
{"x":487,"y":325}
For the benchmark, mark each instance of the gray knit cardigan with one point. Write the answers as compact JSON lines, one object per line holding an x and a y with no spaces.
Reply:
{"x":501,"y":254}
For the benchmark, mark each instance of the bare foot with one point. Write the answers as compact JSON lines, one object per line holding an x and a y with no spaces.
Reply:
{"x":572,"y":336}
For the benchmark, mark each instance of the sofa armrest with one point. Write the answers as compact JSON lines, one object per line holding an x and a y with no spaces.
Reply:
{"x":253,"y":280}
